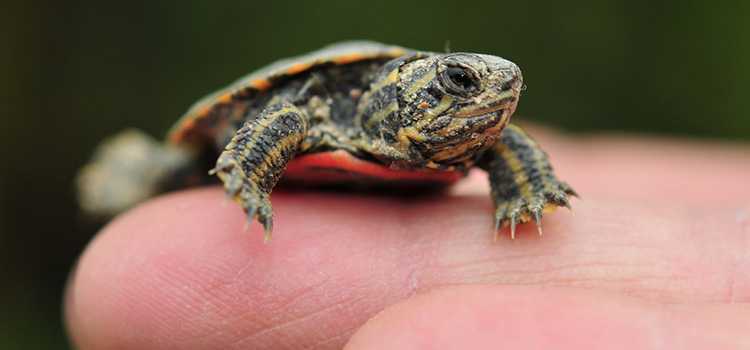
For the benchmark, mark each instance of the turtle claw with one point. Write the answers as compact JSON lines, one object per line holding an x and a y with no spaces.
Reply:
{"x":250,"y":211}
{"x":567,"y":189}
{"x":257,"y":208}
{"x":510,"y":214}
{"x":538,"y":220}
{"x":521,"y":209}
{"x":267,"y":222}
{"x":500,"y":219}
{"x":561,"y":199}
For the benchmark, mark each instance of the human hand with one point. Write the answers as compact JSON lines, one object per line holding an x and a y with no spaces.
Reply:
{"x":656,"y":255}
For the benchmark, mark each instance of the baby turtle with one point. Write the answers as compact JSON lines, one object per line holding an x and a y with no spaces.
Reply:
{"x":351,"y":112}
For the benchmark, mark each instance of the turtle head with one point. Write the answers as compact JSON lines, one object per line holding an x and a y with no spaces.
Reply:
{"x":448,"y":108}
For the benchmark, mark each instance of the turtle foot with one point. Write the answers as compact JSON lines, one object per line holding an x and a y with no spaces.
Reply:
{"x":522,"y":209}
{"x":253,"y":201}
{"x":258,"y":207}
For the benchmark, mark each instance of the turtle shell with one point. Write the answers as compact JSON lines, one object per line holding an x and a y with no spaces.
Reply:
{"x":207,"y":117}
{"x":200,"y":123}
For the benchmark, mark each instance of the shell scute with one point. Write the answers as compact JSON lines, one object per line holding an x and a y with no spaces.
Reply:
{"x":190,"y":128}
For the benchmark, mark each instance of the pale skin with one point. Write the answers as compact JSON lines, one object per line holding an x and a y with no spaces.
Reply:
{"x":656,"y":255}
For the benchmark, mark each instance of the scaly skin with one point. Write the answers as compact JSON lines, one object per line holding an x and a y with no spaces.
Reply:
{"x":522,"y":181}
{"x":254,"y":160}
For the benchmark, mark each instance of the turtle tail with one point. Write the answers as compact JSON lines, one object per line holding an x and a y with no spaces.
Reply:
{"x":130,"y":167}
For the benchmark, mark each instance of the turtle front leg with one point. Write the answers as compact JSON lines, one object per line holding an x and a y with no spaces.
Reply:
{"x":522,"y":180}
{"x":253,"y":161}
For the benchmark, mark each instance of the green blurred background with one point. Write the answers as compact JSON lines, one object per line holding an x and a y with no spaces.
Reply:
{"x":72,"y":72}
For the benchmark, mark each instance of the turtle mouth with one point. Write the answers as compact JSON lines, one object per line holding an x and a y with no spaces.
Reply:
{"x":481,"y":111}
{"x":500,"y":106}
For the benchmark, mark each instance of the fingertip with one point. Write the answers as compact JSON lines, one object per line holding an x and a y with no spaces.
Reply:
{"x":138,"y":282}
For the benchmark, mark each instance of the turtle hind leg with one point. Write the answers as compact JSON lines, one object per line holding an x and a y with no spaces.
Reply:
{"x":522,"y":180}
{"x":253,"y":161}
{"x":128,"y":168}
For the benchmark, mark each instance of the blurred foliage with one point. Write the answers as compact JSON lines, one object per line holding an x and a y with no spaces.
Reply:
{"x":75,"y":71}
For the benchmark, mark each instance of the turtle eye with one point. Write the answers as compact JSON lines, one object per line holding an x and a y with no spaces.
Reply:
{"x":460,"y":81}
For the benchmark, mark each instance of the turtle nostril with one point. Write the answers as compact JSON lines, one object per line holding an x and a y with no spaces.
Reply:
{"x":512,"y":84}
